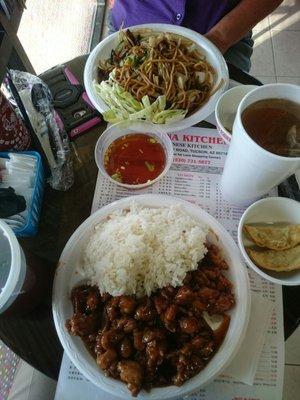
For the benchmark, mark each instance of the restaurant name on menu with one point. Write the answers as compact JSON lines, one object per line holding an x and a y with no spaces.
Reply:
{"x":196,"y":139}
{"x":197,"y":149}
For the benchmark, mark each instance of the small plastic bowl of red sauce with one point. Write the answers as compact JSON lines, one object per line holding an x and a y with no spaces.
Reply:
{"x":133,"y":154}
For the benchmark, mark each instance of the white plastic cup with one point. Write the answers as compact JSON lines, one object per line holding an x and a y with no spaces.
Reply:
{"x":226,"y":109}
{"x":12,"y":267}
{"x":251,"y":171}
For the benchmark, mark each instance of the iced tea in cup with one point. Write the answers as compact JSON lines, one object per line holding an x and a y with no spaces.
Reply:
{"x":265,"y":145}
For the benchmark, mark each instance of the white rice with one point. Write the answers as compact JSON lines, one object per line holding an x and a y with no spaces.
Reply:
{"x":139,"y":250}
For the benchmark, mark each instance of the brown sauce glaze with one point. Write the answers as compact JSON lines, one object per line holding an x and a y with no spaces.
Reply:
{"x":158,"y":340}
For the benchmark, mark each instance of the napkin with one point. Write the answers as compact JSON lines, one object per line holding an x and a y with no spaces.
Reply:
{"x":244,"y":365}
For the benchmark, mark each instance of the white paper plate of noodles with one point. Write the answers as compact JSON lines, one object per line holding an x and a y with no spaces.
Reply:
{"x":103,"y":51}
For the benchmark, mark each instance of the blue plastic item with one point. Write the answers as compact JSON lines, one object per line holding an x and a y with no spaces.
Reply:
{"x":31,"y":226}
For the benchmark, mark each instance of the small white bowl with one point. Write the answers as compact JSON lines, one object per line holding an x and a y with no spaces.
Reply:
{"x":226,"y":109}
{"x":268,"y":210}
{"x":116,"y":131}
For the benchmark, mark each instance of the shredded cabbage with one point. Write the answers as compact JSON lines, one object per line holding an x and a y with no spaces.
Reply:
{"x":124,"y":106}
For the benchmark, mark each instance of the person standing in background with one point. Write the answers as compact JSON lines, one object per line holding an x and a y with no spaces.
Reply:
{"x":227,"y":23}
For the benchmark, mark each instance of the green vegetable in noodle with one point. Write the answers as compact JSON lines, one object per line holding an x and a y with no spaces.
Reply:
{"x":157,"y":77}
{"x":124,"y":106}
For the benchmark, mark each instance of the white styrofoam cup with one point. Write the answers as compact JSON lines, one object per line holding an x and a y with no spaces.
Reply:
{"x":251,"y":171}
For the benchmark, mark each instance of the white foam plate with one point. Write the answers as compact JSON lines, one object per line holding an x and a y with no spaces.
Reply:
{"x":213,"y":55}
{"x":66,"y":279}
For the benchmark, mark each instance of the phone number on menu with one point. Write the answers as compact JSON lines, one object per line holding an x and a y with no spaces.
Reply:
{"x":182,"y":160}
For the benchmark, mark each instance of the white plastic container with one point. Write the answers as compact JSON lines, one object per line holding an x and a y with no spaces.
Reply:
{"x":116,"y":131}
{"x":66,"y":278}
{"x":270,"y":210}
{"x":251,"y":171}
{"x":103,"y":51}
{"x":12,"y":267}
{"x":226,"y":109}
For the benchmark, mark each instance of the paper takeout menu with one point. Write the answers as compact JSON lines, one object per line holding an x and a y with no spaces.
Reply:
{"x":199,"y":156}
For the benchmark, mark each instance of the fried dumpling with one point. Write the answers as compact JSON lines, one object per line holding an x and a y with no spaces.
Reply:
{"x":274,"y":237}
{"x":285,"y":260}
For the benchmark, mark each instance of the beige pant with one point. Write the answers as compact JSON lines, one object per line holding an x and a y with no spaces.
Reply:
{"x":30,"y":384}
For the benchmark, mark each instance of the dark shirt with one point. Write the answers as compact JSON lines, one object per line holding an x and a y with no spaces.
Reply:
{"x":199,"y":15}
